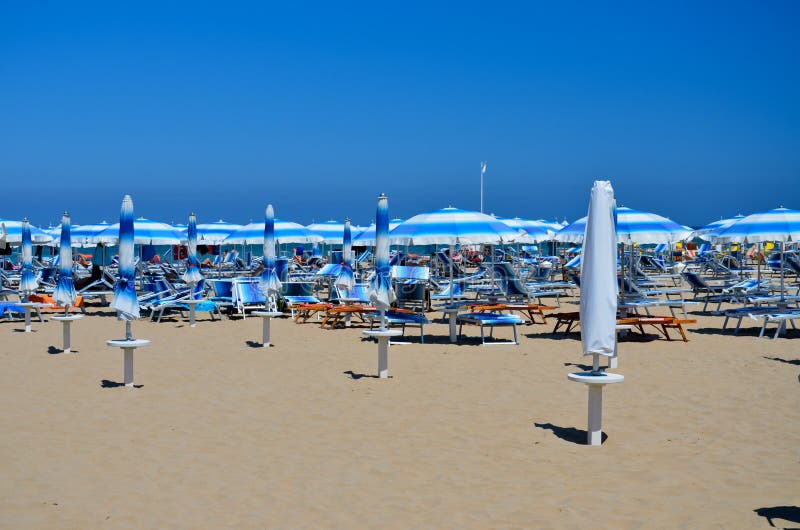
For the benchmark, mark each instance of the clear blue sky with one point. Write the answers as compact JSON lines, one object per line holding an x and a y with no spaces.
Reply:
{"x":690,"y":108}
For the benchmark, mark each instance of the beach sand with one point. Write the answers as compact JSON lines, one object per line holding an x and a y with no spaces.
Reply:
{"x":301,"y":435}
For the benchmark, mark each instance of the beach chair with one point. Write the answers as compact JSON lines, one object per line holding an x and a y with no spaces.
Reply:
{"x":247,"y":295}
{"x":705,"y":292}
{"x":780,"y":318}
{"x":490,"y":320}
{"x":514,"y":289}
{"x":295,"y":294}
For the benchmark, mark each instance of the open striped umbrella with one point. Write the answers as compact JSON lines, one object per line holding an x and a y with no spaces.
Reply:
{"x":215,"y":232}
{"x":633,"y":226}
{"x":366,"y":236}
{"x":13,"y":231}
{"x":344,"y":277}
{"x":27,"y":281}
{"x":81,"y":235}
{"x":330,"y":231}
{"x":454,"y":227}
{"x":65,"y":294}
{"x":147,"y":232}
{"x":285,"y":232}
{"x":534,"y":231}
{"x":269,"y":283}
{"x":710,"y":231}
{"x":381,"y":293}
{"x":192,"y":273}
{"x":780,"y":224}
{"x":124,"y":300}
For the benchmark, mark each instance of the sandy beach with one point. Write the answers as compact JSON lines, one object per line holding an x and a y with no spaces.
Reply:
{"x":302,"y":435}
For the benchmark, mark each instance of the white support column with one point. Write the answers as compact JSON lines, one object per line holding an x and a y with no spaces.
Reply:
{"x":128,"y":361}
{"x":594,"y":432}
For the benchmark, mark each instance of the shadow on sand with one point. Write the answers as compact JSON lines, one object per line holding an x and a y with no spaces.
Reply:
{"x":786,"y":513}
{"x":352,"y":375}
{"x":52,"y":350}
{"x":568,"y":434}
{"x":795,"y":362}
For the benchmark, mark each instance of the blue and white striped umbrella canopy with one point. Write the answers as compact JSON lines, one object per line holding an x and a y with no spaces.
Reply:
{"x":329,"y":231}
{"x":13,"y":233}
{"x":214,"y":233}
{"x":451,"y":226}
{"x":555,"y":226}
{"x":633,"y":226}
{"x":344,"y":276}
{"x":82,"y":234}
{"x":192,"y":273}
{"x":710,"y":231}
{"x":535,"y":231}
{"x":285,"y":232}
{"x":65,"y":294}
{"x":124,"y":300}
{"x":147,"y":232}
{"x":27,"y":281}
{"x":269,"y":283}
{"x":366,"y":236}
{"x":780,"y":224}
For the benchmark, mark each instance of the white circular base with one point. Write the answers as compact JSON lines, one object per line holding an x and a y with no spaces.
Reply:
{"x":590,"y":378}
{"x":267,"y":314}
{"x":66,"y":318}
{"x":122,"y":343}
{"x":378,"y":333}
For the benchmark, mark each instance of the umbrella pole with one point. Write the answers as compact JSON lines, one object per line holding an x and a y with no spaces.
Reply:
{"x":783,"y":252}
{"x":451,"y":275}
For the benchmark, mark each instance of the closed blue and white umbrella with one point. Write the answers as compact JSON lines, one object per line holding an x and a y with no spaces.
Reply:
{"x":124,"y":300}
{"x":381,"y":293}
{"x":65,"y":294}
{"x":344,"y":278}
{"x":13,"y":233}
{"x":633,"y":226}
{"x":192,"y":273}
{"x":366,"y":236}
{"x":27,"y":282}
{"x":453,"y":226}
{"x":285,"y":232}
{"x":329,"y":231}
{"x":147,"y":232}
{"x":269,"y":283}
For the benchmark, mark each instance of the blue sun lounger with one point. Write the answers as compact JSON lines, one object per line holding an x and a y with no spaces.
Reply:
{"x":491,"y":320}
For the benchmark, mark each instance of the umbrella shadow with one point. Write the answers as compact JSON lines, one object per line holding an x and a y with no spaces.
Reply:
{"x":356,"y":376}
{"x":743,"y":332}
{"x":255,"y":344}
{"x":569,"y":434}
{"x":572,"y":335}
{"x":22,"y":330}
{"x":786,"y":513}
{"x":105,"y":383}
{"x":52,"y":350}
{"x":584,"y":367}
{"x":795,"y":362}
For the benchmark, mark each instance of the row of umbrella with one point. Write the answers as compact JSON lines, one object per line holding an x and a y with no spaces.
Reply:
{"x":445,"y":226}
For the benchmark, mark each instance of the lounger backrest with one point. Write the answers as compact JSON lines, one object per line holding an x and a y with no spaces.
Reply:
{"x":297,"y":289}
{"x":695,"y":281}
{"x":411,"y":295}
{"x":359,"y":293}
{"x":408,"y":272}
{"x":222,"y":288}
{"x":246,"y":291}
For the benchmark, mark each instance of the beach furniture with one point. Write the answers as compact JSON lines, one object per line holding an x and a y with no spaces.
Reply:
{"x":247,"y":295}
{"x":527,"y":310}
{"x":780,"y":318}
{"x":295,"y":294}
{"x":571,"y":321}
{"x":706,"y":292}
{"x":48,"y":304}
{"x":490,"y":320}
{"x":513,"y":288}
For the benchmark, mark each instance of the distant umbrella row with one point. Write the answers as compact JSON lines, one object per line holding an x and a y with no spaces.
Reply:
{"x":445,"y":226}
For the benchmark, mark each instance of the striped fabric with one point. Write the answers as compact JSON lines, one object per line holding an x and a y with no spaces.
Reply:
{"x":285,"y":232}
{"x":147,"y":232}
{"x":192,"y":273}
{"x":269,"y":282}
{"x":81,"y":235}
{"x":329,"y":231}
{"x":710,"y":231}
{"x":216,"y":231}
{"x":366,"y":236}
{"x":13,"y":230}
{"x":633,"y":226}
{"x":65,"y":295}
{"x":452,"y":226}
{"x":27,"y":281}
{"x":780,"y":224}
{"x":344,"y":277}
{"x":535,"y":231}
{"x":124,"y":300}
{"x":380,"y":290}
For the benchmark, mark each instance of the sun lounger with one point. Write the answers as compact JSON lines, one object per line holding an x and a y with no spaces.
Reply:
{"x":491,"y":320}
{"x":777,"y":318}
{"x":529,"y":310}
